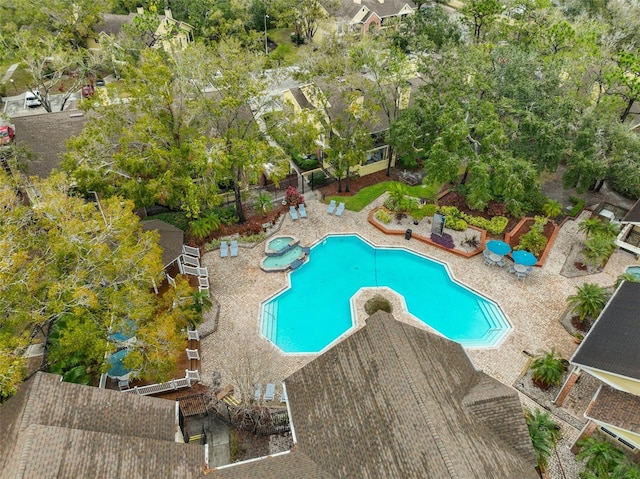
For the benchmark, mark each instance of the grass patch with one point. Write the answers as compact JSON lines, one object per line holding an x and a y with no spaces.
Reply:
{"x":366,"y":195}
{"x":286,"y":53}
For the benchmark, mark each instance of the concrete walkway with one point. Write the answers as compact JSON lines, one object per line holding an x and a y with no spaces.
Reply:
{"x":7,"y":76}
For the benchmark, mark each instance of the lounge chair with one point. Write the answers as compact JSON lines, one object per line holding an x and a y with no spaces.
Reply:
{"x":302,"y":211}
{"x":340,"y":209}
{"x":234,"y":248}
{"x":269,"y":392}
{"x":332,"y":207}
{"x":258,"y":393}
{"x":224,"y":249}
{"x":293,"y":213}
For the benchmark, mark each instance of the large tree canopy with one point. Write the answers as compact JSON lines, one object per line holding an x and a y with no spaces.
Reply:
{"x":89,"y":269}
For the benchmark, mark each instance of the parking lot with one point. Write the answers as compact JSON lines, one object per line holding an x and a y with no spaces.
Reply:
{"x":14,"y":105}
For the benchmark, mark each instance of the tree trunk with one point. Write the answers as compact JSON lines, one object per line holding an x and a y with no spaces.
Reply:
{"x":465,"y":175}
{"x":599,"y":185}
{"x":339,"y":184}
{"x":346,"y":181}
{"x":627,"y":110}
{"x":236,"y":193}
{"x":389,"y":158}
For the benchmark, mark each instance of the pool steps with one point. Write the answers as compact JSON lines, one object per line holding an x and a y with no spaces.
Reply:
{"x":498,"y":326}
{"x":269,"y":320}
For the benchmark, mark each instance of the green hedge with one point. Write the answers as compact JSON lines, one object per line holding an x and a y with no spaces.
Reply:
{"x":458,"y":221}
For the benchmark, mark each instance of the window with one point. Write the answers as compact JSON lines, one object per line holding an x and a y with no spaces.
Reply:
{"x":374,"y":156}
{"x":625,"y":443}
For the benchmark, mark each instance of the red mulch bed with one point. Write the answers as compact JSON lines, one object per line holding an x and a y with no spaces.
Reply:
{"x":515,"y":238}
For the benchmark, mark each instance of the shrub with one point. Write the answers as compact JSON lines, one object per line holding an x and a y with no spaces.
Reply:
{"x":456,"y":224}
{"x":450,"y":212}
{"x":552,"y":208}
{"x":548,"y":369}
{"x":227,"y":215}
{"x":317,"y":178}
{"x":578,"y":205}
{"x":383,"y":216}
{"x":418,"y":212}
{"x":377,"y":303}
{"x":533,"y":241}
{"x":292,"y":196}
{"x":205,"y":225}
{"x":430,"y":209}
{"x":495,"y":225}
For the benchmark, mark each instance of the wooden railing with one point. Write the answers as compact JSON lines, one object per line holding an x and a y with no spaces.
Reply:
{"x":191,"y":378}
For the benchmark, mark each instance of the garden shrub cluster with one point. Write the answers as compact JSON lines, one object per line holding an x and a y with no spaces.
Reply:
{"x":377,"y":303}
{"x":495,"y":226}
{"x":383,"y":216}
{"x":534,"y":240}
{"x":578,"y":205}
{"x":454,"y":220}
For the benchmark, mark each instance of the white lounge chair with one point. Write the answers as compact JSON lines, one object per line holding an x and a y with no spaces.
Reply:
{"x":269,"y":392}
{"x":224,"y":249}
{"x":332,"y":207}
{"x":234,"y":248}
{"x":293,"y":213}
{"x":340,"y":209}
{"x":302,"y":211}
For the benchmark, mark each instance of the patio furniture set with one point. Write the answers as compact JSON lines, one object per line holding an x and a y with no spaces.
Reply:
{"x":332,"y":207}
{"x":523,"y":261}
{"x":227,"y":249}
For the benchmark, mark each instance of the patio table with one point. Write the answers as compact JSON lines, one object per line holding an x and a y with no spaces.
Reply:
{"x":520,"y":268}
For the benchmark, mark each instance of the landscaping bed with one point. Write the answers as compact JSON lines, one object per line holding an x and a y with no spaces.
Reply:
{"x":457,"y":242}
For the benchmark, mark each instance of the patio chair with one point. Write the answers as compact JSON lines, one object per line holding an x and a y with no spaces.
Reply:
{"x":269,"y":392}
{"x":488,"y":261}
{"x":332,"y":207}
{"x":234,"y":248}
{"x":258,"y":392}
{"x":302,"y":210}
{"x":224,"y":249}
{"x":340,"y":209}
{"x":293,"y":213}
{"x":123,"y":384}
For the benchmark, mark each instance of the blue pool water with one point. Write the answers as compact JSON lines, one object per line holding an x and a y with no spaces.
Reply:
{"x":634,"y":270}
{"x":315,"y":310}
{"x":280,"y":242}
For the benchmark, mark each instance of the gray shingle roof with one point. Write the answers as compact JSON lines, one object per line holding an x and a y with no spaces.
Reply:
{"x":633,"y":215}
{"x":74,"y":431}
{"x":171,"y":239}
{"x":392,"y":400}
{"x":348,"y":8}
{"x":617,"y":408}
{"x":612,"y":342}
{"x":46,"y":136}
{"x":112,"y":23}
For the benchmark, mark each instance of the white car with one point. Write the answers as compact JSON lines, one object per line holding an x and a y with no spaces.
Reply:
{"x":32,"y":99}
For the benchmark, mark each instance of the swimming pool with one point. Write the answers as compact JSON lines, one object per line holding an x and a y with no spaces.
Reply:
{"x":315,"y":310}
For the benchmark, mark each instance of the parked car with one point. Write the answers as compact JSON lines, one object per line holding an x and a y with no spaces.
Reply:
{"x":6,"y":134}
{"x":32,"y":99}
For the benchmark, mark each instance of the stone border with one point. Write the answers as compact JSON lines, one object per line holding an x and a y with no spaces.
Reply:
{"x":547,"y":249}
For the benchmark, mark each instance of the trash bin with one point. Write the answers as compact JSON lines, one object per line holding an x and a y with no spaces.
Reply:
{"x":407,"y":234}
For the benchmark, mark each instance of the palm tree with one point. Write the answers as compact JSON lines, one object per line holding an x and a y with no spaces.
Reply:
{"x":589,"y":300}
{"x":548,"y":369}
{"x":589,"y":226}
{"x":629,"y":277}
{"x":601,"y":456}
{"x":552,"y":208}
{"x":545,"y":434}
{"x":598,"y":248}
{"x":625,"y":470}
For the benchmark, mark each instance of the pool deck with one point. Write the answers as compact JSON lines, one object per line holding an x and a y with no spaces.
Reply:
{"x":533,"y":305}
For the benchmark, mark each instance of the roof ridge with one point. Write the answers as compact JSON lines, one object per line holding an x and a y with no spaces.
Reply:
{"x":30,"y":402}
{"x":406,"y":373}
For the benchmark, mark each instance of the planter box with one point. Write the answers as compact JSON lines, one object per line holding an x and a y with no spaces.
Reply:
{"x":523,"y":227}
{"x":427,"y":240}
